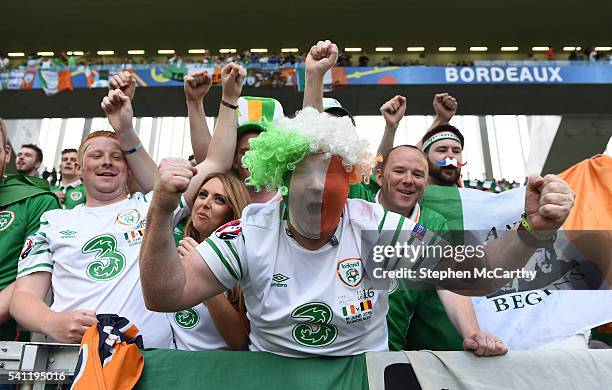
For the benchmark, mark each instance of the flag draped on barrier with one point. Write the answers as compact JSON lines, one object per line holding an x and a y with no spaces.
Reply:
{"x":531,"y":319}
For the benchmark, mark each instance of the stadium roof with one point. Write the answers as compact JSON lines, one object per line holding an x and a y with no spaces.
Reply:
{"x":42,"y":25}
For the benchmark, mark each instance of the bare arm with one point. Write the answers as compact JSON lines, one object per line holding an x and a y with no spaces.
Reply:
{"x":460,"y":312}
{"x":228,"y":321}
{"x":5,"y":300}
{"x":118,"y":108}
{"x":548,"y":202}
{"x":169,"y":283}
{"x":392,"y":111}
{"x":321,"y":58}
{"x":30,"y":311}
{"x":196,"y":86}
{"x":223,"y":145}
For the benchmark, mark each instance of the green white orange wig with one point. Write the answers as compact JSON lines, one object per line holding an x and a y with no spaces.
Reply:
{"x":279,"y":149}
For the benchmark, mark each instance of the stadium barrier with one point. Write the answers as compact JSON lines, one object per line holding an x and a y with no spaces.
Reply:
{"x":558,"y":369}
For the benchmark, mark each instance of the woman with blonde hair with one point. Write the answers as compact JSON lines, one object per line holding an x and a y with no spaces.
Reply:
{"x":220,"y":322}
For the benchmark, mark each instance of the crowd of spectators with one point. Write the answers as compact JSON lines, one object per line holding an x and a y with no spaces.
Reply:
{"x":248,"y":58}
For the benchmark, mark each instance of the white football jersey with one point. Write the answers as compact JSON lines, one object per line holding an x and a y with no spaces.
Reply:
{"x":305,"y":303}
{"x":194,"y":330}
{"x":92,"y":253}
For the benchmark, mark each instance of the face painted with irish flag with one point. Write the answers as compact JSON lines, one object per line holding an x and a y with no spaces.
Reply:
{"x":318,"y":189}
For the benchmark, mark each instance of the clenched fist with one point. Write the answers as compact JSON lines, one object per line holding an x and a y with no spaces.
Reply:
{"x":321,"y":57}
{"x":173,"y":177}
{"x":548,"y":202}
{"x":125,"y":81}
{"x":393,"y":111}
{"x":232,"y":78}
{"x":445,"y":106}
{"x":118,"y":109}
{"x":197,"y":85}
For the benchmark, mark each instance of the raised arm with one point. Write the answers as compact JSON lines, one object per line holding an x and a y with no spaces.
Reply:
{"x":393,"y":111}
{"x":223,"y":144}
{"x":321,"y":58}
{"x":196,"y":86}
{"x":118,"y":109}
{"x":460,"y":312}
{"x":548,"y":201}
{"x":168,"y":282}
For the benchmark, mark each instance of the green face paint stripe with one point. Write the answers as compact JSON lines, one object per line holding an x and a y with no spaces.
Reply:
{"x":220,"y":254}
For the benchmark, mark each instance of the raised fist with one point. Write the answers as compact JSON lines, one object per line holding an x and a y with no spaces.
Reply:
{"x":232,"y":78}
{"x":393,"y":111}
{"x":174,"y":175}
{"x":125,"y":81}
{"x":548,"y":202}
{"x":322,"y":57}
{"x":118,"y":109}
{"x":445,"y":106}
{"x":197,"y":85}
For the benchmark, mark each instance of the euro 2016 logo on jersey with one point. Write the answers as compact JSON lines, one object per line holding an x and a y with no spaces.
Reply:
{"x":27,"y":248}
{"x":6,"y":219}
{"x":350,"y":271}
{"x":187,"y":319}
{"x":229,"y":231}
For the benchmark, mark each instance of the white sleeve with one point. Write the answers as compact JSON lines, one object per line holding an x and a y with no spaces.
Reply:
{"x":225,"y":253}
{"x":36,"y":255}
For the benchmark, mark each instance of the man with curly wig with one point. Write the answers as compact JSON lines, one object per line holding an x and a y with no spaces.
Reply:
{"x":293,"y":258}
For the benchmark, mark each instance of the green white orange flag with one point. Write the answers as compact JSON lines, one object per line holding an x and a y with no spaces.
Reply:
{"x":534,"y":318}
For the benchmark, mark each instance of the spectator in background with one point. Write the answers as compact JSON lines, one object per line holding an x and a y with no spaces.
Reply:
{"x":22,"y":201}
{"x":71,"y":190}
{"x":220,"y":322}
{"x":4,"y":61}
{"x":175,"y":59}
{"x":364,"y":59}
{"x":29,"y":159}
{"x":550,"y":55}
{"x":344,"y":60}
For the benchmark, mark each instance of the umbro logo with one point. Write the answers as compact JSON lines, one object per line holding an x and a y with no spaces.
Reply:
{"x":68,"y":234}
{"x":278,"y":280}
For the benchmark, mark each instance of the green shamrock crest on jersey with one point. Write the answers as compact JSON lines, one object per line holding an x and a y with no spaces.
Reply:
{"x":187,"y":318}
{"x":6,"y":219}
{"x":108,"y":262}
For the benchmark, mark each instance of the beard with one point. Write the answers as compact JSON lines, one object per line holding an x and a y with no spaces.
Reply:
{"x":446,"y":176}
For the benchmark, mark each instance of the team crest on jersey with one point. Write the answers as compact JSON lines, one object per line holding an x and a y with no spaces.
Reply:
{"x":419,"y":231}
{"x":27,"y":248}
{"x":76,"y":195}
{"x":6,"y":219}
{"x":128,"y":217}
{"x":350,"y":271}
{"x":229,"y":231}
{"x":187,"y":319}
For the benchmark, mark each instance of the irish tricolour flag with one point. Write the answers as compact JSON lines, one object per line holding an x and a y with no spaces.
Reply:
{"x":534,"y":318}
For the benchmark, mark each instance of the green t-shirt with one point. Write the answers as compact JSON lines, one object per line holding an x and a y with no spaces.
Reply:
{"x":416,"y":319}
{"x":75,"y":195}
{"x":22,"y":201}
